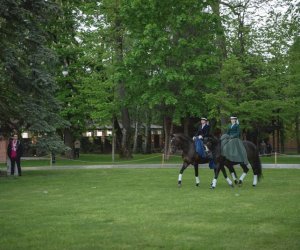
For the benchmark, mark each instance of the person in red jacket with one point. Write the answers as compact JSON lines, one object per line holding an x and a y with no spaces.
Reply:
{"x":14,"y":152}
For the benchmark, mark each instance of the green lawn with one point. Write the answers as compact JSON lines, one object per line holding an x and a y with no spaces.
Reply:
{"x":144,"y":209}
{"x":100,"y":159}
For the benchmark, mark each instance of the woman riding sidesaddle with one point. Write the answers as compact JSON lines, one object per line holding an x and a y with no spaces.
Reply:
{"x":232,"y":146}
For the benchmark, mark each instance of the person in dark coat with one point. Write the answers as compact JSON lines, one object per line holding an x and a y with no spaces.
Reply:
{"x":203,"y":130}
{"x":14,"y":152}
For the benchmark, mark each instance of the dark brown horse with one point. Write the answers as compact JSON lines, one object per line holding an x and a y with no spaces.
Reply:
{"x":214,"y":145}
{"x":190,"y":156}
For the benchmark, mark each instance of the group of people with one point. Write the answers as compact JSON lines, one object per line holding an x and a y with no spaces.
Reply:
{"x":15,"y":152}
{"x":203,"y":131}
{"x":15,"y":147}
{"x":233,"y":129}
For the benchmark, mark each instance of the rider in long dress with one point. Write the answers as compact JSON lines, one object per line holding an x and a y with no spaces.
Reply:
{"x":234,"y":128}
{"x":232,"y":146}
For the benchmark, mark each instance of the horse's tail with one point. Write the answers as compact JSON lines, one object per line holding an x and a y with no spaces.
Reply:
{"x":257,"y":164}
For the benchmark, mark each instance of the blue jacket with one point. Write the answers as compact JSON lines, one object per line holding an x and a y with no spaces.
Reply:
{"x":234,"y":131}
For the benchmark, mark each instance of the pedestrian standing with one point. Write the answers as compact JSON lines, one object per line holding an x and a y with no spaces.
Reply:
{"x":76,"y":148}
{"x":14,"y":152}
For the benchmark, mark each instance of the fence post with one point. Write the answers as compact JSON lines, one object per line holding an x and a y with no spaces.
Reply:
{"x":163,"y":160}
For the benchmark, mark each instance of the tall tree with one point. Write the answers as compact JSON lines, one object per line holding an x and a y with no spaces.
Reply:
{"x":27,"y":67}
{"x":74,"y":65}
{"x":252,"y":77}
{"x":173,"y":57}
{"x":113,"y":32}
{"x":293,"y":90}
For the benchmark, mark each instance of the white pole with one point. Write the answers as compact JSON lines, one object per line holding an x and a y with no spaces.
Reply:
{"x":113,"y":144}
{"x":162,"y":160}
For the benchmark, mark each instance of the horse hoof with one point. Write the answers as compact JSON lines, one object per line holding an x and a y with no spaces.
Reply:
{"x":253,"y":185}
{"x":236,"y":182}
{"x":240,"y":182}
{"x":197,"y":184}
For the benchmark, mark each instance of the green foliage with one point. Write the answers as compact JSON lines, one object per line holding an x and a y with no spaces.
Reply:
{"x":27,"y":66}
{"x":171,"y":58}
{"x":293,"y":88}
{"x":143,"y":60}
{"x":50,"y":143}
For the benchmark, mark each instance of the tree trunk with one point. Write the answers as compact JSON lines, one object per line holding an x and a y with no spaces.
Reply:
{"x":168,"y":127}
{"x":147,"y":142}
{"x":221,"y":45}
{"x":297,"y":133}
{"x":278,"y":140}
{"x":118,"y":132}
{"x":282,"y":138}
{"x":68,"y":140}
{"x":113,"y":143}
{"x":125,"y":148}
{"x":122,"y":140}
{"x":136,"y":130}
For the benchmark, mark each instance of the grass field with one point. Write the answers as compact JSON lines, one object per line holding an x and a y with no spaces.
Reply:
{"x":144,"y":209}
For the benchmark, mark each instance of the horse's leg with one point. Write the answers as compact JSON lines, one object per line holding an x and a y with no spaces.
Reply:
{"x":217,"y":171}
{"x":245,"y":171}
{"x":254,"y":179}
{"x":184,"y":166}
{"x":233,"y":173}
{"x":226,"y":177}
{"x":255,"y":174}
{"x":256,"y":167}
{"x":197,"y":174}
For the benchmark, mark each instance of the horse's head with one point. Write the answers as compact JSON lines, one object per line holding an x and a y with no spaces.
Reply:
{"x":174,"y":144}
{"x":180,"y":141}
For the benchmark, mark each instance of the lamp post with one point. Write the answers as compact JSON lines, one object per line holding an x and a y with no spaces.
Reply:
{"x":67,"y":134}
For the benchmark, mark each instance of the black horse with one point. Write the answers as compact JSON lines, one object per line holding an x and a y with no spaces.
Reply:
{"x":214,"y":145}
{"x":190,"y":156}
